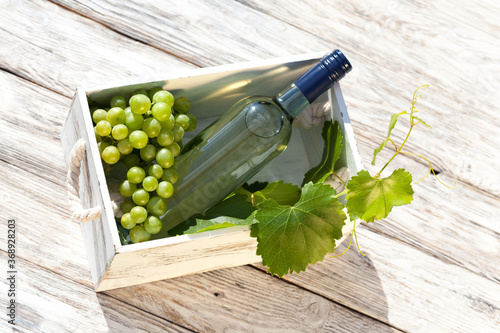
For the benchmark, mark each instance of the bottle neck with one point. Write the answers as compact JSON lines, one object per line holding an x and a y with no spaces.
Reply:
{"x":318,"y":79}
{"x":292,"y":100}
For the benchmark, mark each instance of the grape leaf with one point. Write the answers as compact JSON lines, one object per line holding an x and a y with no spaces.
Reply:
{"x":216,"y":223}
{"x":236,"y":205}
{"x":371,"y":198}
{"x":292,"y":237}
{"x":233,"y":210}
{"x":281,"y":192}
{"x":237,"y":208}
{"x":332,"y":135}
{"x":255,"y":186}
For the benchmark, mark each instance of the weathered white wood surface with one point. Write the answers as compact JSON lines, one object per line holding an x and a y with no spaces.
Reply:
{"x":429,"y":267}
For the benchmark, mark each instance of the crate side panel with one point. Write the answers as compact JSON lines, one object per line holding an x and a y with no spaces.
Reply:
{"x":164,"y":262}
{"x":350,"y":154}
{"x":98,"y":241}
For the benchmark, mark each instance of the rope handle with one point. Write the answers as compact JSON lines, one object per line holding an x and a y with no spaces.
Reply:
{"x":72,"y":182}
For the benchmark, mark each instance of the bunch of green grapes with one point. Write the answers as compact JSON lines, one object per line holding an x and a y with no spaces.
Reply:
{"x":145,"y":134}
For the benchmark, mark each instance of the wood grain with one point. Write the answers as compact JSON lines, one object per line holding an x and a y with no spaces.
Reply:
{"x":244,"y":300}
{"x":49,"y":302}
{"x":430,"y":266}
{"x":72,"y":50}
{"x":457,"y":52}
{"x":405,"y":280}
{"x":183,"y":28}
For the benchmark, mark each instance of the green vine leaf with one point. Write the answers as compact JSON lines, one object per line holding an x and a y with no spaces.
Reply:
{"x":370,"y":198}
{"x":233,"y":210}
{"x":292,"y":237}
{"x":332,"y":135}
{"x":216,"y":223}
{"x":281,"y":192}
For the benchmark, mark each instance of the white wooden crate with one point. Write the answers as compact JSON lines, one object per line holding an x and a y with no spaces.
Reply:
{"x":211,"y":91}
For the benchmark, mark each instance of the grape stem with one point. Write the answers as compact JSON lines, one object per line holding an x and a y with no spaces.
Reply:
{"x":413,"y":110}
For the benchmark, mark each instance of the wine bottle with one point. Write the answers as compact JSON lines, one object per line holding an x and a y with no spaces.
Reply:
{"x":243,"y":140}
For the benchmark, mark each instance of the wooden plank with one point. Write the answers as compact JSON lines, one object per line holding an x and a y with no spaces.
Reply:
{"x":450,"y":47}
{"x":405,"y":287}
{"x":230,"y":33}
{"x":29,"y":135}
{"x":49,"y":302}
{"x":244,"y":300}
{"x":45,"y":228}
{"x":61,"y":50}
{"x":441,"y":221}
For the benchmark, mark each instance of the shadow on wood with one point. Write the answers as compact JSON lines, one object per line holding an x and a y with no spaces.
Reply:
{"x":236,"y":298}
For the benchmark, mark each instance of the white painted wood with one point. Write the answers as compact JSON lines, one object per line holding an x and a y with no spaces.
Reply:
{"x":100,"y":236}
{"x":114,"y":265}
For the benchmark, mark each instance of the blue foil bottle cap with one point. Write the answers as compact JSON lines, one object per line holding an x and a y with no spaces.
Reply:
{"x":321,"y":77}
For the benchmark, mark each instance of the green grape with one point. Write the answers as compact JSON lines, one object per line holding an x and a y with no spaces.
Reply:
{"x":178,"y":132}
{"x":157,"y":206}
{"x":164,"y":96}
{"x":103,"y":128}
{"x":182,"y":120}
{"x":139,"y":214}
{"x":150,"y":183}
{"x":127,"y":110}
{"x":140,"y":103}
{"x":131,"y":160}
{"x":124,"y":147}
{"x":153,"y":225}
{"x":151,"y":127}
{"x":136,"y":175}
{"x":97,"y":136}
{"x":140,"y":91}
{"x":99,"y":115}
{"x":165,"y":189}
{"x":127,"y":222}
{"x":127,"y":206}
{"x":153,"y":91}
{"x":165,"y":158}
{"x":134,"y":121}
{"x":193,"y":122}
{"x":119,"y":132}
{"x":148,"y":153}
{"x":111,"y":155}
{"x":170,"y":175}
{"x":161,"y":111}
{"x":115,"y":116}
{"x":127,"y":188}
{"x":165,"y":138}
{"x":101,"y":146}
{"x":118,"y":101}
{"x":174,"y":148}
{"x":156,"y":171}
{"x":140,"y":197}
{"x":138,"y":234}
{"x":138,"y":139}
{"x":168,"y":124}
{"x":182,"y":105}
